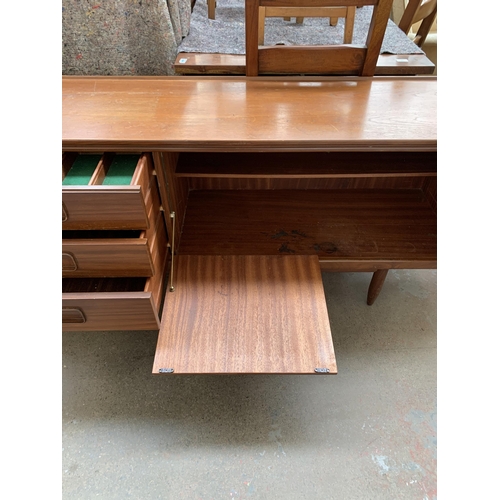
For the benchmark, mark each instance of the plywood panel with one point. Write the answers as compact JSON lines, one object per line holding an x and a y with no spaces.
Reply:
{"x":245,"y":314}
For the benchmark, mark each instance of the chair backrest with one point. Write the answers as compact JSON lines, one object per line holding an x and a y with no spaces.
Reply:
{"x":359,"y":60}
{"x":419,"y":10}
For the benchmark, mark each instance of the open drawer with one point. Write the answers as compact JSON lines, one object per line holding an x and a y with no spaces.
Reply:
{"x":111,"y":253}
{"x":92,"y":304}
{"x":238,"y":314}
{"x":106,"y":191}
{"x":115,"y":253}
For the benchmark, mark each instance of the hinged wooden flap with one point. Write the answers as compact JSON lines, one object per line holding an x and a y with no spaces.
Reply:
{"x":245,"y":314}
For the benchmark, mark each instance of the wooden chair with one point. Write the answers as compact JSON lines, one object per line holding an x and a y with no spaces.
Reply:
{"x":316,"y":60}
{"x":416,"y":11}
{"x":300,"y":12}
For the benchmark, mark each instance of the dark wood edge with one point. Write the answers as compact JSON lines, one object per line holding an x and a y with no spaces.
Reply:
{"x":246,"y":79}
{"x":374,"y":265}
{"x":108,"y":242}
{"x":263,"y":146}
{"x":108,"y":295}
{"x":100,"y":188}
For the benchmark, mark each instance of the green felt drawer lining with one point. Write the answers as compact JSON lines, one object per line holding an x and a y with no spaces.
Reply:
{"x":121,"y":170}
{"x":81,"y":171}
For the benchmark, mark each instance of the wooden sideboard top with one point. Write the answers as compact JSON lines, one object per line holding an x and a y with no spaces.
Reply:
{"x":238,"y":114}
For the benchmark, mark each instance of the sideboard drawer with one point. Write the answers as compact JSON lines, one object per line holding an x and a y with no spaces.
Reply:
{"x":94,"y":311}
{"x":112,"y":254}
{"x":124,"y":303}
{"x":115,"y":253}
{"x":93,"y":304}
{"x":105,"y":191}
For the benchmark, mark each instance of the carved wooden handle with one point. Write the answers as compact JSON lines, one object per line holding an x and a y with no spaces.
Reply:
{"x":73,"y":315}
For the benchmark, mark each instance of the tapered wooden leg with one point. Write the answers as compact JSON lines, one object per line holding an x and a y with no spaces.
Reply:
{"x":376,"y":285}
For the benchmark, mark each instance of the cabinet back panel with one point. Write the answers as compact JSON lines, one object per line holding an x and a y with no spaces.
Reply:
{"x":301,"y":183}
{"x":383,"y":224}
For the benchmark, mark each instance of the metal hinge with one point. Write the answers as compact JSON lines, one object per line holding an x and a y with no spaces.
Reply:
{"x":322,"y":370}
{"x":166,"y":370}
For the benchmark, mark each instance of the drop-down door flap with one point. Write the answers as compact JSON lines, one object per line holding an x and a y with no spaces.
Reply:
{"x":236,"y":314}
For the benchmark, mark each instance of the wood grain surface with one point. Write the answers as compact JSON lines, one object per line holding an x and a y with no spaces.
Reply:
{"x":232,"y":113}
{"x":112,"y":311}
{"x":390,"y":182}
{"x":245,"y":314}
{"x":342,"y":225}
{"x":107,"y":257}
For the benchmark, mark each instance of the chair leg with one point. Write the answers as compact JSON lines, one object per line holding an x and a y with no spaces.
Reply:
{"x":425,"y":27}
{"x":334,"y":21}
{"x":211,"y":9}
{"x":299,"y":20}
{"x":376,"y":285}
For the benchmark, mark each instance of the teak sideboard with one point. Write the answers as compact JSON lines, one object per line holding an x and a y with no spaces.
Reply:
{"x":207,"y":208}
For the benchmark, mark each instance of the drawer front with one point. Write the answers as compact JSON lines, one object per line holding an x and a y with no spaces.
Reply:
{"x":95,"y":304}
{"x":115,"y":253}
{"x":106,"y":257}
{"x":109,"y":311}
{"x":99,"y":206}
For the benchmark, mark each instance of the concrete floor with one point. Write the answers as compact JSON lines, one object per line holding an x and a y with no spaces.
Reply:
{"x":367,"y":433}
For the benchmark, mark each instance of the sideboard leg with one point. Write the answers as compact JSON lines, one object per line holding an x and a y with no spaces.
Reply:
{"x":376,"y":285}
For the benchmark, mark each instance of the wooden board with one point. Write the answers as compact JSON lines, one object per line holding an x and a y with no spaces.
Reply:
{"x":245,"y":314}
{"x":195,"y":63}
{"x":233,"y":114}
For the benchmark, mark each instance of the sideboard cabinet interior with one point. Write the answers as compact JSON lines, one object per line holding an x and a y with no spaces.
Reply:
{"x":208,"y":208}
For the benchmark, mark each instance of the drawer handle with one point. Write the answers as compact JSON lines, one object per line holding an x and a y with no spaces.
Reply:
{"x":73,"y":315}
{"x":64,"y":212}
{"x":69,"y":262}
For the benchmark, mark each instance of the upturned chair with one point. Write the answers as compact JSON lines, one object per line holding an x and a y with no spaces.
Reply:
{"x":345,"y":59}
